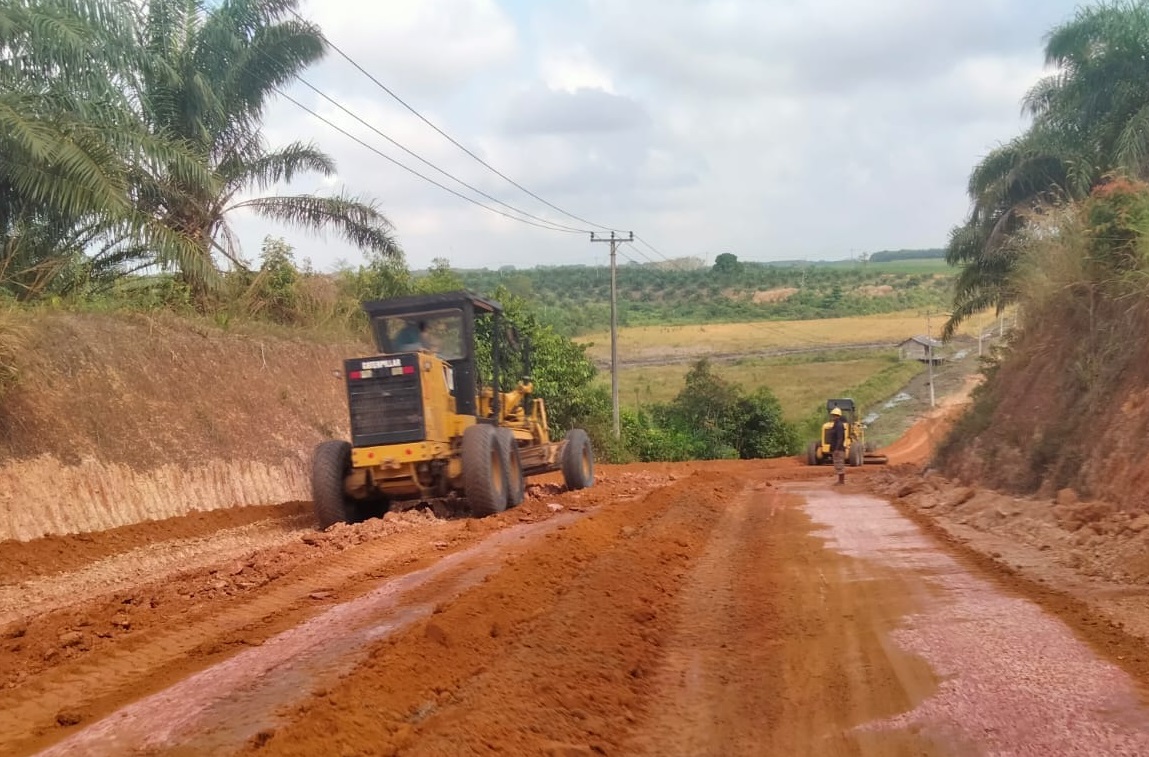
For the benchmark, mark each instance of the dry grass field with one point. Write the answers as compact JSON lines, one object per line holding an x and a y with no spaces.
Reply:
{"x":801,"y":383}
{"x":644,"y":343}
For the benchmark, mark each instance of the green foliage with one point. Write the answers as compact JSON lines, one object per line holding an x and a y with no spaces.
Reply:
{"x":727,"y":264}
{"x":710,"y":419}
{"x":562,"y":373}
{"x":130,"y":131}
{"x":1090,"y":120}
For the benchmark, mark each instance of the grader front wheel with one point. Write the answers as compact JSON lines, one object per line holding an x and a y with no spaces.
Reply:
{"x":484,"y":474}
{"x":509,"y":449}
{"x":578,"y":460}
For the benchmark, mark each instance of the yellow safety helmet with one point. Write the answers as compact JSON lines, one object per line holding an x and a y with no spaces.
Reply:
{"x":836,"y":411}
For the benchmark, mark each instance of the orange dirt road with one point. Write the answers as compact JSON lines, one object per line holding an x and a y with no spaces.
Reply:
{"x":730,"y":608}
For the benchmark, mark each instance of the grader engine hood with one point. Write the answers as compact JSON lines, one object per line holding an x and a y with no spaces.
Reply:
{"x":385,"y":397}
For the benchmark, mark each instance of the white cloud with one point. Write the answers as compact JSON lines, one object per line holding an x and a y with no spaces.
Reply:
{"x":428,"y":45}
{"x":573,"y":69}
{"x":773,"y":130}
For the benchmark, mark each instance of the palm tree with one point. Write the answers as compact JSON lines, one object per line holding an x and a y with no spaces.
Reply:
{"x":69,"y":138}
{"x":1090,"y":119}
{"x":208,"y":79}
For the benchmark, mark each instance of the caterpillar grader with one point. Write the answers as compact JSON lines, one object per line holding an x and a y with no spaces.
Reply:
{"x":429,"y":415}
{"x":857,"y":451}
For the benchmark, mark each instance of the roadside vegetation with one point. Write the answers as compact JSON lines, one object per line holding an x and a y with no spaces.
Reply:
{"x":1060,"y":227}
{"x":1089,"y":123}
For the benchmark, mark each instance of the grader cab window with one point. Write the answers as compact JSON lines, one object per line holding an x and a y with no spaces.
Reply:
{"x":440,"y":332}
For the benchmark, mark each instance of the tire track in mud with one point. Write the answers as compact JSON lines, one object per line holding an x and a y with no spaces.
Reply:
{"x":167,"y":655}
{"x":81,"y":662}
{"x":118,"y":572}
{"x":781,"y":647}
{"x":220,"y":707}
{"x":552,"y":654}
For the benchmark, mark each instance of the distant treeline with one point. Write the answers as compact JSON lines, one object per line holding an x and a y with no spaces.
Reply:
{"x":889,"y":256}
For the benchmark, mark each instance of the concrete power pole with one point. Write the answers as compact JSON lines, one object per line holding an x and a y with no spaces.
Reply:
{"x":614,"y":241}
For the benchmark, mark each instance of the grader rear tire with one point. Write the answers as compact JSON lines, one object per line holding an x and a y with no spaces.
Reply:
{"x":812,"y":453}
{"x":484,"y":476}
{"x":578,"y":460}
{"x":857,"y":455}
{"x":512,"y":464}
{"x":329,"y":467}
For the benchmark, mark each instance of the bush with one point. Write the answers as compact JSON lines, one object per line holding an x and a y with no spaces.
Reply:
{"x":711,"y":419}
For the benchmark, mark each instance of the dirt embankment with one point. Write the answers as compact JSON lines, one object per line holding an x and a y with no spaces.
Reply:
{"x":116,"y":420}
{"x":1066,"y":408}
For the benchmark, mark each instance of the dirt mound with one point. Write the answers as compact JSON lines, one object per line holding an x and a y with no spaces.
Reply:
{"x":1067,"y":403}
{"x":773,"y":295}
{"x":882,"y":290}
{"x":122,"y":419}
{"x":21,"y":560}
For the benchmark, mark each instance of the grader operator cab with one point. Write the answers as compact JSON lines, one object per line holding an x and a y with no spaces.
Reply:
{"x":857,"y":453}
{"x":430,"y":416}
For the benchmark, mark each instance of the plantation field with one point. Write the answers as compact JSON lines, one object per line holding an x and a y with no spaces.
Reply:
{"x":936,"y":266}
{"x":800,"y":383}
{"x":683,"y":343}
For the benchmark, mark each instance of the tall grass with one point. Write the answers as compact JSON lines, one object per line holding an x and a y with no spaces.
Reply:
{"x":13,"y":338}
{"x":1083,"y":288}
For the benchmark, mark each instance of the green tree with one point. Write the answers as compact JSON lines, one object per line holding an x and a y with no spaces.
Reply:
{"x":563,"y":374}
{"x":72,"y":139}
{"x":440,"y":278}
{"x":1090,"y":120}
{"x":727,"y":263}
{"x":275,"y":290}
{"x":206,"y":81}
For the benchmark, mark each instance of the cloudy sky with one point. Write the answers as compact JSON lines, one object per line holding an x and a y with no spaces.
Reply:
{"x":773,"y":129}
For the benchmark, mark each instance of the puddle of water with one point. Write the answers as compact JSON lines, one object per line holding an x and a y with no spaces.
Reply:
{"x":1014,"y":679}
{"x":221,"y":707}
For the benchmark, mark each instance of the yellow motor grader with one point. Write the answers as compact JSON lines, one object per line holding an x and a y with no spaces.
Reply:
{"x":425,"y":423}
{"x":857,"y":453}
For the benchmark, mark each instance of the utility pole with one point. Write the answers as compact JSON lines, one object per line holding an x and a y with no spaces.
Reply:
{"x":930,"y":354}
{"x":614,"y":242}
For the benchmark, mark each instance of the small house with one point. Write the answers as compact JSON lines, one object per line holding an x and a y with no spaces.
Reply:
{"x":921,"y":348}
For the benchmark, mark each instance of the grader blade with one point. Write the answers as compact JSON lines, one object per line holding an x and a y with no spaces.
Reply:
{"x":872,"y":458}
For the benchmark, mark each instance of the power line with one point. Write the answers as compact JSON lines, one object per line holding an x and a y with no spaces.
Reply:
{"x":547,"y":223}
{"x":410,"y":170}
{"x":444,"y":134}
{"x":424,"y":161}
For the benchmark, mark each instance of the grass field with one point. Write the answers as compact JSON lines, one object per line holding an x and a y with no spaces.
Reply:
{"x":921,"y":265}
{"x":801,"y":383}
{"x":686,"y":342}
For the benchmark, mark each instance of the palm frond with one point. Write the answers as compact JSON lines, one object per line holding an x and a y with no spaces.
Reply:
{"x":359,"y":222}
{"x":279,"y":166}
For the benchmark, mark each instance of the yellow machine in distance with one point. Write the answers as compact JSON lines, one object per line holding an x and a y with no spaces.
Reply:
{"x":818,"y":452}
{"x":424,"y":423}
